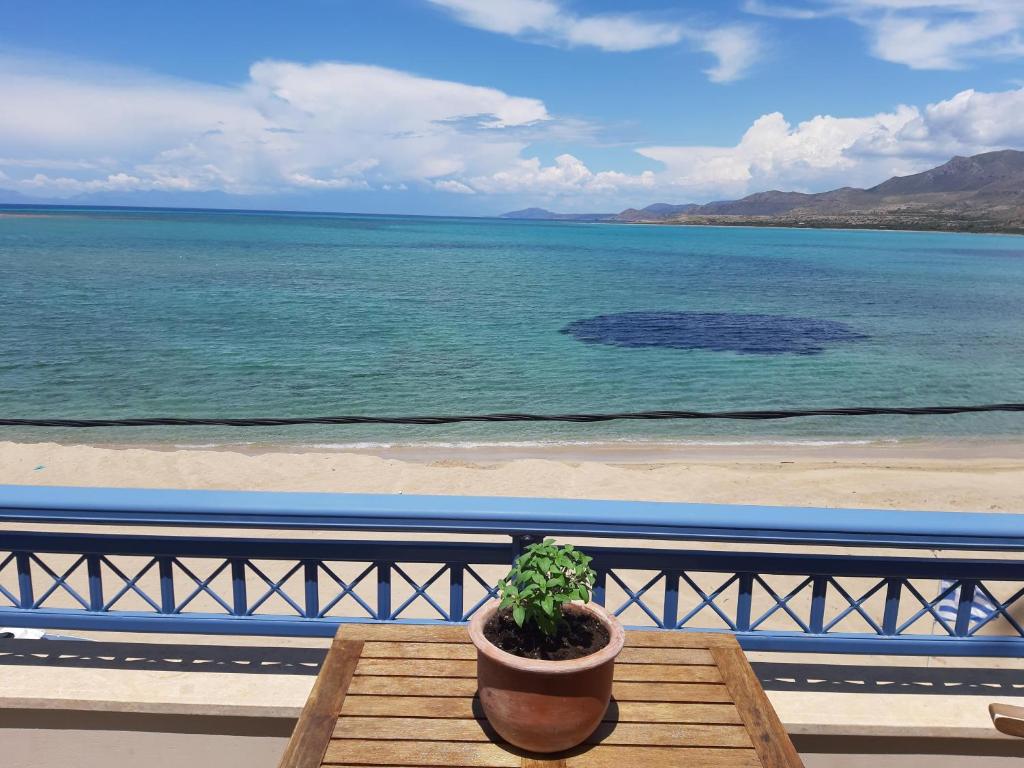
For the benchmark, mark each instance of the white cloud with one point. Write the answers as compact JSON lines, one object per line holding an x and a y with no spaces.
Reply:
{"x":568,"y":176}
{"x":735,"y":47}
{"x":828,"y":151}
{"x":922,"y":34}
{"x":289,"y":128}
{"x":293,"y":128}
{"x":546,"y":21}
{"x":68,"y":129}
{"x":452,"y":185}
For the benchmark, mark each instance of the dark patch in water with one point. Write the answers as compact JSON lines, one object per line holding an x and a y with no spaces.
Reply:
{"x":717,"y":331}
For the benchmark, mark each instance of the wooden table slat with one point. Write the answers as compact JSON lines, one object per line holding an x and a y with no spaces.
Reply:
{"x":387,"y":649}
{"x":404,"y":633}
{"x":663,"y":757}
{"x":688,"y":656}
{"x":466,"y":652}
{"x":346,"y":752}
{"x":662,"y":638}
{"x":466,"y":707}
{"x":458,"y":668}
{"x":437,"y":753}
{"x":697,"y":693}
{"x":479,"y":730}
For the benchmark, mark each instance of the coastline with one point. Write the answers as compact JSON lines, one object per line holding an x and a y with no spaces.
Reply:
{"x":626,"y":451}
{"x":981,"y":477}
{"x":1016,"y":232}
{"x":10,"y":210}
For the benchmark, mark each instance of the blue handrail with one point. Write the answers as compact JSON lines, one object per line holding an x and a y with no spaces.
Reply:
{"x":475,"y":514}
{"x":796,"y":599}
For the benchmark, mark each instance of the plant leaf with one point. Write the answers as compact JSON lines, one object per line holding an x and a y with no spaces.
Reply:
{"x":548,"y":604}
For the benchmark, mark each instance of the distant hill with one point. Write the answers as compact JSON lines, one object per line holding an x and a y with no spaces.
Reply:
{"x":540,"y":214}
{"x":983,"y":193}
{"x":658,"y":210}
{"x":10,"y":197}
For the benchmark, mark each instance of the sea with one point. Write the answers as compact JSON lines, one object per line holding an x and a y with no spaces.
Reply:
{"x":119,"y":313}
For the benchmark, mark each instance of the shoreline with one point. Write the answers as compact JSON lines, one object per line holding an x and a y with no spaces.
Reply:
{"x":756,"y":225}
{"x":624,"y":450}
{"x":987,"y":478}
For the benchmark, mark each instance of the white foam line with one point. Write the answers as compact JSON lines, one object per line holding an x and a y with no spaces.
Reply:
{"x":594,"y":443}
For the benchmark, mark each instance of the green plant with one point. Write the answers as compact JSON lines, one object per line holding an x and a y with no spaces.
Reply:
{"x":543,"y":579}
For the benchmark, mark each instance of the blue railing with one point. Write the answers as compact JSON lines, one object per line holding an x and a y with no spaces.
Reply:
{"x":798,"y":599}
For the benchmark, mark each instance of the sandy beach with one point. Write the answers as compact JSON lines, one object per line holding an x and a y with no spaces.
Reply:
{"x":983,"y":477}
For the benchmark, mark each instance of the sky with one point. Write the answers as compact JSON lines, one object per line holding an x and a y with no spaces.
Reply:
{"x":476,"y":107}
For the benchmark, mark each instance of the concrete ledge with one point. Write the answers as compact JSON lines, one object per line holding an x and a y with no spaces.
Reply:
{"x":43,"y":705}
{"x":248,"y":691}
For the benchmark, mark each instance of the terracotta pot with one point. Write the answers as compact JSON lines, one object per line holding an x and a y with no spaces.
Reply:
{"x":544,"y":706}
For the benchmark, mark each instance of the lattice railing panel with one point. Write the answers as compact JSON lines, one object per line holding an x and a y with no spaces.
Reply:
{"x":774,"y":602}
{"x":60,"y":582}
{"x":780,"y":603}
{"x":130,"y":583}
{"x":420,"y":591}
{"x":854,"y":605}
{"x":203,"y":585}
{"x":275,"y":588}
{"x":636,"y":597}
{"x":479,"y":585}
{"x":345,"y":589}
{"x":707,"y":600}
{"x":919,"y":607}
{"x":998,"y":609}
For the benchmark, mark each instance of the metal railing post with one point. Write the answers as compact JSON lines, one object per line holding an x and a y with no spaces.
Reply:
{"x":743,"y":602}
{"x":455,"y":595}
{"x":310,"y":577}
{"x":819,"y":591}
{"x":670,"y":611}
{"x":383,"y":591}
{"x":239,"y":602}
{"x":94,"y":567}
{"x":891,"y":617}
{"x":166,"y":568}
{"x":964,"y":608}
{"x":25,"y":595}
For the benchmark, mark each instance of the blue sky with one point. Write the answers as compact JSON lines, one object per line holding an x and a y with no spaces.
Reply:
{"x":476,"y":107}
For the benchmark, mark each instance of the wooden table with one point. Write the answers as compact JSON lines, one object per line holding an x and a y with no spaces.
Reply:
{"x":402,"y":695}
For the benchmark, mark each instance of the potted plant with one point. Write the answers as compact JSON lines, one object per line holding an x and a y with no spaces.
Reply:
{"x":545,"y":653}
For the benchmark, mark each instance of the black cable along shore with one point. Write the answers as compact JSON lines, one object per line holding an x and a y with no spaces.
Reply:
{"x":580,"y":418}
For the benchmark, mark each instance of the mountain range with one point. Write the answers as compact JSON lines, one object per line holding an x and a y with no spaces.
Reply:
{"x":982,"y":193}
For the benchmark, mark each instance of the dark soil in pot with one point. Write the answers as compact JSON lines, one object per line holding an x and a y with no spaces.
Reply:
{"x":580,"y":634}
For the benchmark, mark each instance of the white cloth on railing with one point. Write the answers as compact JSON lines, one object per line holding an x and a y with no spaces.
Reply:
{"x":948,"y":607}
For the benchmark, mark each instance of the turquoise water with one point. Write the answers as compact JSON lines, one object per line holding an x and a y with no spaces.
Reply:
{"x":119,"y":313}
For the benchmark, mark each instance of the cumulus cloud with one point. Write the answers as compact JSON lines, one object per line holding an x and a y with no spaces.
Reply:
{"x":923,"y":34}
{"x":289,"y":126}
{"x":735,"y":47}
{"x":568,"y":175}
{"x":330,"y":127}
{"x":828,"y":151}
